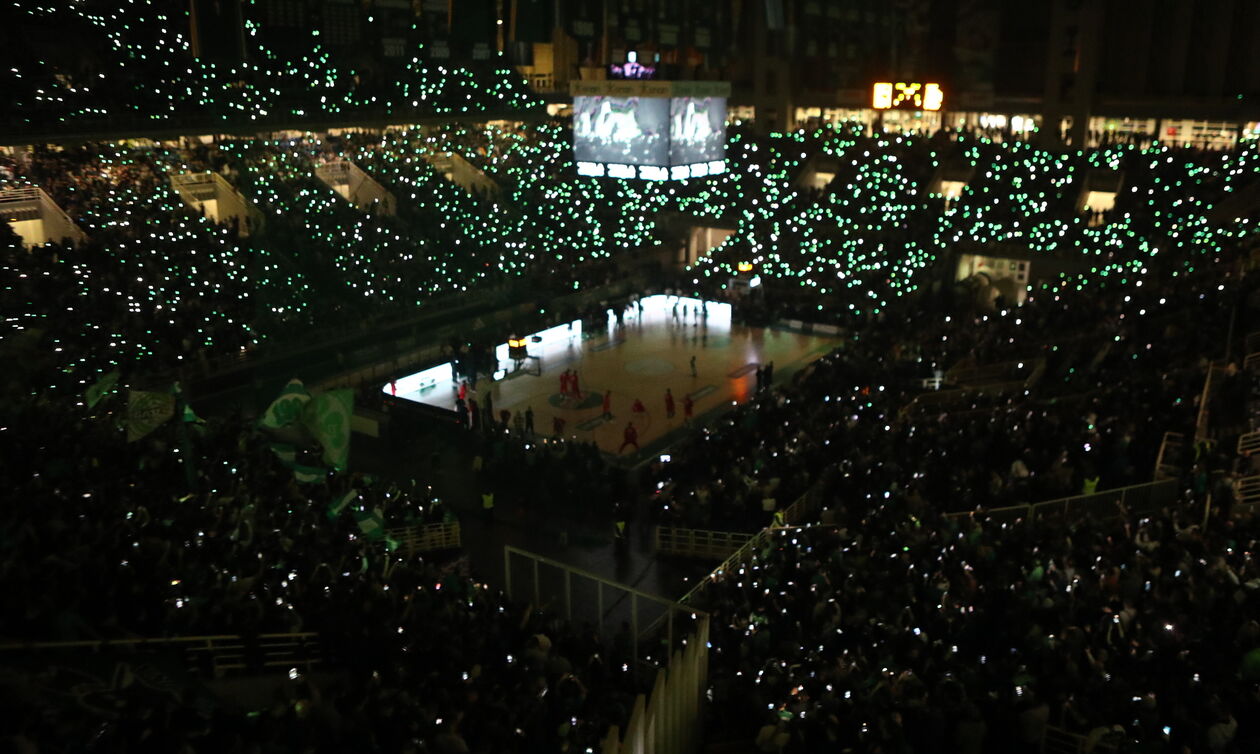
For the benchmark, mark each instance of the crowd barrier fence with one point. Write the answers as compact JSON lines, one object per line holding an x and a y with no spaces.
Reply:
{"x":1059,"y":741}
{"x":669,"y":719}
{"x":698,"y":543}
{"x":222,"y":655}
{"x":426,"y":538}
{"x":1203,"y":423}
{"x":1170,"y":461}
{"x":1247,"y":491}
{"x":1140,"y":499}
{"x":945,"y":401}
{"x":987,"y":373}
{"x":1248,"y":443}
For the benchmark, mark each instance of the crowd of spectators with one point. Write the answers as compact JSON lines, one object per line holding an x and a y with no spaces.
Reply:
{"x":103,"y":67}
{"x":137,"y":540}
{"x":201,"y":529}
{"x":899,"y":630}
{"x":1104,"y":375}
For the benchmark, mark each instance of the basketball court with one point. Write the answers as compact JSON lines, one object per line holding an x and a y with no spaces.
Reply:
{"x":649,"y":353}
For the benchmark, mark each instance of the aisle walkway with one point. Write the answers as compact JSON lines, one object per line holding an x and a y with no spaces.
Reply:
{"x":443,"y":456}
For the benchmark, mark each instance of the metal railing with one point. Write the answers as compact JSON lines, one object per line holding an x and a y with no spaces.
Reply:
{"x":698,"y":543}
{"x":221,"y":654}
{"x":584,"y":595}
{"x":805,"y":508}
{"x":669,"y":719}
{"x":743,"y":554}
{"x":426,"y":538}
{"x":542,"y":82}
{"x":19,"y":194}
{"x":1247,"y":491}
{"x":361,"y":189}
{"x":1140,"y":499}
{"x":945,"y":400}
{"x":1170,"y":462}
{"x":1059,"y":741}
{"x":337,"y":171}
{"x":1251,"y":344}
{"x":999,"y":372}
{"x":1248,"y":443}
{"x":1202,"y":424}
{"x":195,"y":188}
{"x":32,"y":202}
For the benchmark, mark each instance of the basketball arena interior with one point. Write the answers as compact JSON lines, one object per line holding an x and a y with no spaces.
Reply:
{"x":630,"y":376}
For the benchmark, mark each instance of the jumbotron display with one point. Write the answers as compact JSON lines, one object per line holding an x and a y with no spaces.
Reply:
{"x":655,"y":130}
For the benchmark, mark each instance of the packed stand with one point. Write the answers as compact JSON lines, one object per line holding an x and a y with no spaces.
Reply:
{"x":898,"y":629}
{"x":222,"y":537}
{"x":103,"y":66}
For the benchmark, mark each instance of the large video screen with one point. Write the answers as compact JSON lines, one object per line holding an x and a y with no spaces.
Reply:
{"x":697,"y":130}
{"x":621,"y":130}
{"x":655,"y":130}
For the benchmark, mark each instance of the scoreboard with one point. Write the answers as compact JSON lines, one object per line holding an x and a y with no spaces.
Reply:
{"x":655,"y":130}
{"x":907,"y":96}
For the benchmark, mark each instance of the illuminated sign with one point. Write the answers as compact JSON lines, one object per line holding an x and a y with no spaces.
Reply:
{"x":913,"y":96}
{"x":631,"y":69}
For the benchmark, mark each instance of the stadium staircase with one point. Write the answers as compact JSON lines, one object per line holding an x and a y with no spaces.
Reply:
{"x":198,"y":189}
{"x":1247,"y":447}
{"x":356,"y":186}
{"x":36,"y":217}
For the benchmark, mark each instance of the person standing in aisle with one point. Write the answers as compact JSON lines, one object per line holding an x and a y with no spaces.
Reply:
{"x":487,"y":504}
{"x":619,"y":525}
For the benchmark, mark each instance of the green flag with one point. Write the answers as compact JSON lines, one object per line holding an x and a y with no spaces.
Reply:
{"x":287,"y":408}
{"x":309,"y":474}
{"x":146,"y":411}
{"x":337,"y":506}
{"x":285,"y":452}
{"x":371,"y":523}
{"x":102,"y":387}
{"x":327,"y":418}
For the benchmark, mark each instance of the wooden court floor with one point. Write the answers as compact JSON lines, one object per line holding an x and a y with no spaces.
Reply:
{"x":650,"y":353}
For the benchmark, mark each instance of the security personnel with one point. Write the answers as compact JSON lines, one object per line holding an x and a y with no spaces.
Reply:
{"x":1090,"y":486}
{"x":487,"y":504}
{"x":780,"y":518}
{"x":619,"y":525}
